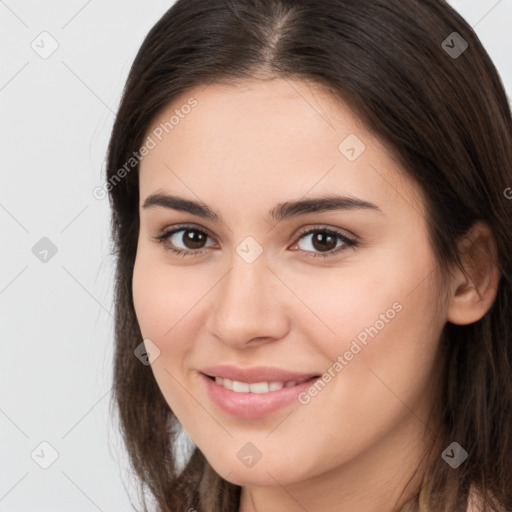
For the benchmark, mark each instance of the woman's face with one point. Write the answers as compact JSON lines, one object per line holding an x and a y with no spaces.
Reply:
{"x":276,"y":299}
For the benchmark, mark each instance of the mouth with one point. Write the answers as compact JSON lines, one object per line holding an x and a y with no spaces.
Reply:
{"x":256,"y":399}
{"x":257,"y":387}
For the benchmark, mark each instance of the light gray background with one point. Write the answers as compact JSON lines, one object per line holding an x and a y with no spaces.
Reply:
{"x":56,"y":114}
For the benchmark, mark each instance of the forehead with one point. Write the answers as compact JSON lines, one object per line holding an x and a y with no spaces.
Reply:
{"x":255,"y":110}
{"x":269,"y":137}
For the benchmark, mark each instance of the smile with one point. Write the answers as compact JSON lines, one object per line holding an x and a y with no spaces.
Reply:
{"x":256,"y":387}
{"x":253,"y":400}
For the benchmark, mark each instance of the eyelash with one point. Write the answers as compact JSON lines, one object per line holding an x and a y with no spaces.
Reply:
{"x":349,"y":242}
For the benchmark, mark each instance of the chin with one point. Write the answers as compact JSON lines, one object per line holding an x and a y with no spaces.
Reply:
{"x":260,"y":475}
{"x":253,"y":478}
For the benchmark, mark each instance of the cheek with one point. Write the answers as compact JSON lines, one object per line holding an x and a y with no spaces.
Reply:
{"x":335,"y":305}
{"x":161,"y":304}
{"x":148,"y":298}
{"x":170,"y":307}
{"x":381,"y":317}
{"x":386,"y":349}
{"x":160,"y":296}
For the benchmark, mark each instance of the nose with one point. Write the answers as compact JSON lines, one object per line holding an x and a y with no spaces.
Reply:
{"x":249,"y":305}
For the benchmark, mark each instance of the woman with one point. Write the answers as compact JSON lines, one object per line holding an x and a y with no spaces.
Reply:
{"x":312,"y":229}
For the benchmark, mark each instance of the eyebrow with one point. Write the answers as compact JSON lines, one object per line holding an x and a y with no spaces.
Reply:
{"x":281,"y":211}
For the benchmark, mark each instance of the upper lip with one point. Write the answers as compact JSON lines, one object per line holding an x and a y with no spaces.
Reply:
{"x":256,"y":374}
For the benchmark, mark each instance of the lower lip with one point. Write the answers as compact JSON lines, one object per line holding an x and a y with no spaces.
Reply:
{"x":253,"y":405}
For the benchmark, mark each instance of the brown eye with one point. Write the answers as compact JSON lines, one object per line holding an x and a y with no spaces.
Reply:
{"x":325,"y":242}
{"x":193,"y":239}
{"x":184,"y":240}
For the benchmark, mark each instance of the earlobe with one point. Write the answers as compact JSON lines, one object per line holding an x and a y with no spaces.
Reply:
{"x":473,"y":292}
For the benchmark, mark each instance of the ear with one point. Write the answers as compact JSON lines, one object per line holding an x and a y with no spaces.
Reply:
{"x":473,"y":294}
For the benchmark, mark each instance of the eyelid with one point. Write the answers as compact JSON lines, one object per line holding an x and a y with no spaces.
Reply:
{"x":325,"y":227}
{"x":170,"y":230}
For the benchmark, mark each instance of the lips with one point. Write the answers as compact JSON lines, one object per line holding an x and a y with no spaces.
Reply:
{"x":243,"y":392}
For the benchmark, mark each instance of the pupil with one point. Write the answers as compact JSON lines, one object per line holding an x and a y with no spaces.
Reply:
{"x":320,"y":239}
{"x":193,"y":239}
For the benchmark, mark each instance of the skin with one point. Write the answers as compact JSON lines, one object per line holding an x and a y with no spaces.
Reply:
{"x":243,"y":149}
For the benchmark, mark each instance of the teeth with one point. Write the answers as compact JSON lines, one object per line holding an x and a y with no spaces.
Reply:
{"x":256,"y":387}
{"x":240,"y":387}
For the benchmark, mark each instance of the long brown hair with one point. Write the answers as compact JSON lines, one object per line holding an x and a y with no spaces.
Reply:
{"x":441,"y":108}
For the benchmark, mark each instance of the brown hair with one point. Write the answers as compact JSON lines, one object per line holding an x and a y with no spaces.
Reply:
{"x":446,"y":118}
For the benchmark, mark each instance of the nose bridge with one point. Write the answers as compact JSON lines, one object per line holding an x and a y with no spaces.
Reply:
{"x":245,"y":304}
{"x":245,"y":285}
{"x":249,"y":274}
